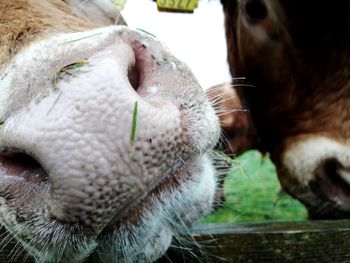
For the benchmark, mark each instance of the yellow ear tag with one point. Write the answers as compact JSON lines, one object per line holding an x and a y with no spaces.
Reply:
{"x":186,"y":6}
{"x":119,"y":4}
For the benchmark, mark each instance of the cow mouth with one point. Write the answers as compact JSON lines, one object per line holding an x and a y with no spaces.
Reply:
{"x":24,"y":166}
{"x":14,"y":163}
{"x":139,"y":204}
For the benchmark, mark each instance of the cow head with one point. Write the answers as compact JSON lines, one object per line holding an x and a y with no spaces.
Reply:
{"x":105,"y":137}
{"x":296,"y":55}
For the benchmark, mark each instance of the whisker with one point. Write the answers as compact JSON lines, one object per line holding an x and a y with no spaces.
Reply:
{"x":243,"y":85}
{"x":238,"y":78}
{"x":223,"y":111}
{"x":182,"y":160}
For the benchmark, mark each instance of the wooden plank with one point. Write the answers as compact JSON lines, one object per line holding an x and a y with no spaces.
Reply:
{"x":318,"y":241}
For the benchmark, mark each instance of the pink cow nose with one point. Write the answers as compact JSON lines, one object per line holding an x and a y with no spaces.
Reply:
{"x":96,"y":162}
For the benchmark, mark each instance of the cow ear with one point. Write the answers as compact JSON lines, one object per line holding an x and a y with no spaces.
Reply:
{"x":102,"y":12}
{"x":238,"y":132}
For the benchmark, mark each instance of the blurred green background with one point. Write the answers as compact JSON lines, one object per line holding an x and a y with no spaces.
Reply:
{"x":253,"y":194}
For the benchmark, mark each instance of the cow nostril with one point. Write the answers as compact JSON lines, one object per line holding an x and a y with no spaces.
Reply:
{"x":23,"y":165}
{"x":333,"y":176}
{"x":255,"y":10}
{"x":329,"y":169}
{"x":143,"y":63}
{"x":134,"y":76}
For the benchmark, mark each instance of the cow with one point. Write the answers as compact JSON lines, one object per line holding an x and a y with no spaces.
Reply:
{"x":295,"y":56}
{"x":106,"y":139}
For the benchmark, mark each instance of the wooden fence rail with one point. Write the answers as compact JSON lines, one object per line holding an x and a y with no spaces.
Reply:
{"x":317,"y":241}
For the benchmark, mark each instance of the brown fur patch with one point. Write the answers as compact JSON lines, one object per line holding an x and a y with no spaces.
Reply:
{"x":26,"y":20}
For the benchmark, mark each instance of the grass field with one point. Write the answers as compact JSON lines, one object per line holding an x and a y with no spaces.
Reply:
{"x":253,"y":194}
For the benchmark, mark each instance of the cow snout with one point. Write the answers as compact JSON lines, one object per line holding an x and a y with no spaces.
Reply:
{"x":317,"y":171}
{"x":115,"y":120}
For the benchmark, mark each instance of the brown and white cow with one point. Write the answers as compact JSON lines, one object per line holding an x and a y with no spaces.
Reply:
{"x":105,"y":137}
{"x":296,"y":55}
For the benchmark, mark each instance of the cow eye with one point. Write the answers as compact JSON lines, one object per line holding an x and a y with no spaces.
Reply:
{"x":255,"y":10}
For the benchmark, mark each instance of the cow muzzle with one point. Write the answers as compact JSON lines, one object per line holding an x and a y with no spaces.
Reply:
{"x":316,"y":170}
{"x":111,"y":115}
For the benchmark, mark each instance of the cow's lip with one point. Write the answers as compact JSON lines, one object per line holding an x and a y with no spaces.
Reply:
{"x":136,"y":206}
{"x":15,"y":163}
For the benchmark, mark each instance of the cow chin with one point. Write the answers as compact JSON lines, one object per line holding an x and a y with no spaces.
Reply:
{"x":315,"y":169}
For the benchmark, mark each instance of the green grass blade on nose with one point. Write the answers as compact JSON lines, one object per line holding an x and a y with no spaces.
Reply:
{"x":134,"y":122}
{"x":72,"y":69}
{"x":146,"y":32}
{"x":81,"y":38}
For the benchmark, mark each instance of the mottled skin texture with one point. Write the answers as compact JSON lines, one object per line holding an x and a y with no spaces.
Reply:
{"x":297,"y":55}
{"x":74,"y":181}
